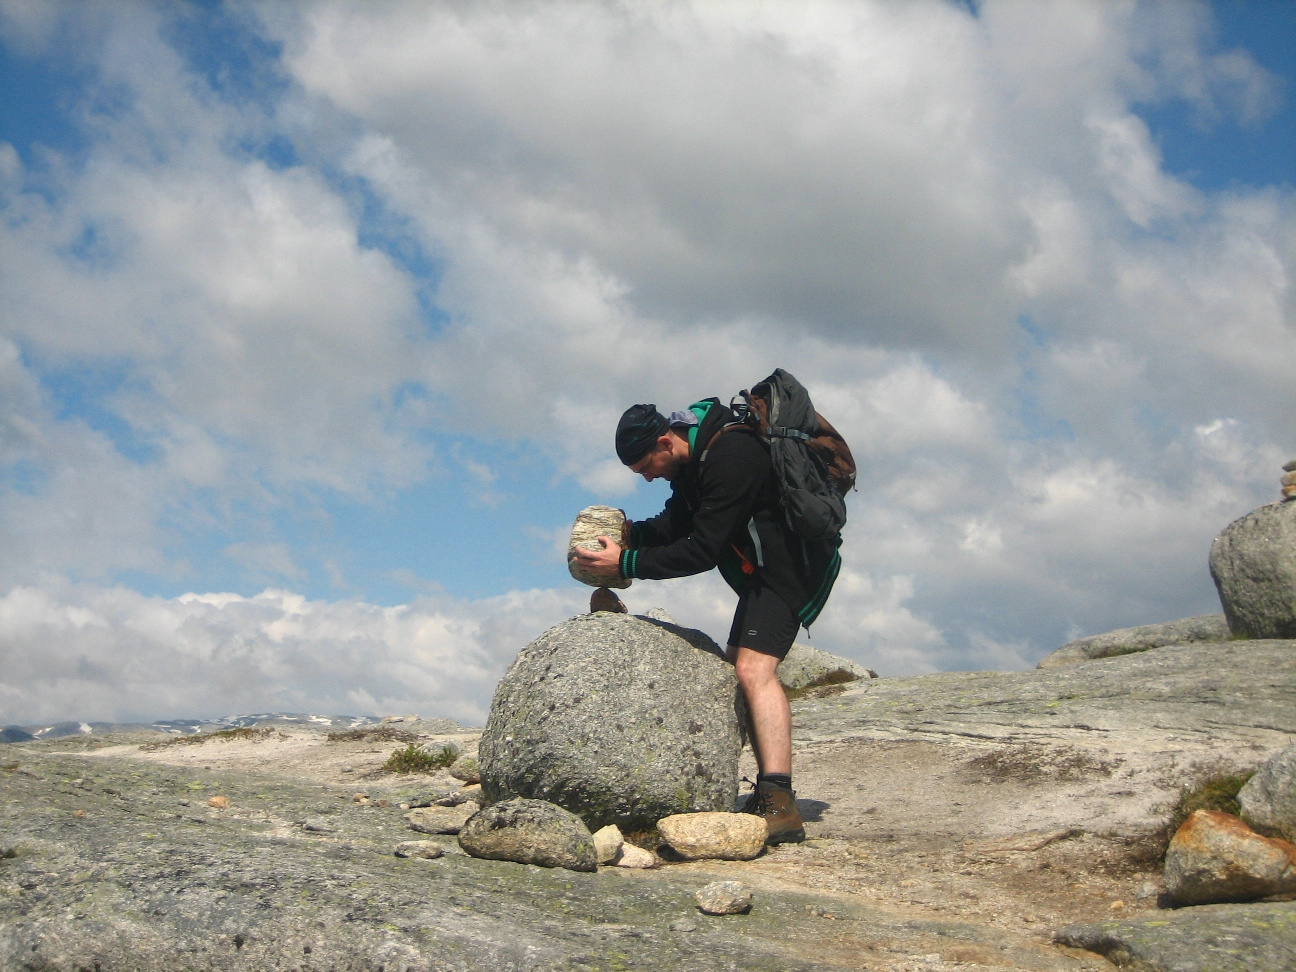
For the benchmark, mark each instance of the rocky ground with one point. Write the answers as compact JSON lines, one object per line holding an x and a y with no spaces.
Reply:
{"x":958,"y":821}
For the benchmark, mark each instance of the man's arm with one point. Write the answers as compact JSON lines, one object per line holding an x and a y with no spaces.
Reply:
{"x":732,"y":480}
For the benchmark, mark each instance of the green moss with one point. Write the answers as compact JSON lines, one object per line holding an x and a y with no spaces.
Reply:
{"x":415,"y":759}
{"x":227,"y":735}
{"x":837,"y":677}
{"x":1214,"y":793}
{"x":385,"y":733}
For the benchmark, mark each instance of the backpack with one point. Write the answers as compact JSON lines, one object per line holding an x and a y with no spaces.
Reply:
{"x":812,"y":462}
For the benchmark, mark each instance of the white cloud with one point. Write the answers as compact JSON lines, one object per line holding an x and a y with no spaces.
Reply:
{"x":1062,"y":368}
{"x":111,"y":654}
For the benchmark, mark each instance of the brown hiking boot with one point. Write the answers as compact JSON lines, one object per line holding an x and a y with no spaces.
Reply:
{"x":777,"y":805}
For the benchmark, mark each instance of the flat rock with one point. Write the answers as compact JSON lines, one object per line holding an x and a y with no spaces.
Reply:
{"x":425,"y":849}
{"x":530,"y":832}
{"x":1268,"y":800}
{"x":1212,"y":938}
{"x":441,"y":820}
{"x":1102,"y":746}
{"x":1253,"y":562}
{"x":1203,"y":627}
{"x":805,"y":666}
{"x":617,"y":718}
{"x":723,"y":898}
{"x":717,"y":836}
{"x":1214,"y":857}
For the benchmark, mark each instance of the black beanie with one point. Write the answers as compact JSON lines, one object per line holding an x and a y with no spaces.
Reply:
{"x":638,"y":431}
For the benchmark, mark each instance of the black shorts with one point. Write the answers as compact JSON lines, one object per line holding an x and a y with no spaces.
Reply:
{"x":764,"y":623}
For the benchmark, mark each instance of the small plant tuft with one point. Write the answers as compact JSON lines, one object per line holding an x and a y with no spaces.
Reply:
{"x":415,"y":759}
{"x":1214,"y":793}
{"x":256,"y":733}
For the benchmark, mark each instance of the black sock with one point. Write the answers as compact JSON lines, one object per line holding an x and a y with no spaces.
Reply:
{"x":778,"y":779}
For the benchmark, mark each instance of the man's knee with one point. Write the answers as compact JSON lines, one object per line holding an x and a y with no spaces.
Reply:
{"x":753,"y":668}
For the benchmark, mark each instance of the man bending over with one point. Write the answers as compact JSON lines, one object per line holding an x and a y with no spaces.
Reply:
{"x":724,"y":512}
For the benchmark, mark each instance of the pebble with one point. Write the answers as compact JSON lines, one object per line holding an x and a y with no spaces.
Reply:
{"x":317,"y":826}
{"x":426,"y":849}
{"x":219,"y":802}
{"x":359,"y":798}
{"x":723,"y":898}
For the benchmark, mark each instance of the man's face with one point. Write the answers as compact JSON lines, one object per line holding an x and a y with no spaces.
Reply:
{"x":663,"y":462}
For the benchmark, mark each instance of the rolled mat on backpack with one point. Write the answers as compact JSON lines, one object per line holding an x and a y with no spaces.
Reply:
{"x":591,"y":523}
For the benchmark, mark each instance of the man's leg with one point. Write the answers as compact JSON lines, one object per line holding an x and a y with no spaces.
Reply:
{"x":771,"y":719}
{"x":771,"y":716}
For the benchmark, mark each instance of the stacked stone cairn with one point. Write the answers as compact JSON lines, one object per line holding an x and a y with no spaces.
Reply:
{"x":1289,"y":480}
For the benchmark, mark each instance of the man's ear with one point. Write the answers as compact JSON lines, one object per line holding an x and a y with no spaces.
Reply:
{"x":664,"y":443}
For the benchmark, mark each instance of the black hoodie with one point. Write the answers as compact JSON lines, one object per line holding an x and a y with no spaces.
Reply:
{"x":725,"y":491}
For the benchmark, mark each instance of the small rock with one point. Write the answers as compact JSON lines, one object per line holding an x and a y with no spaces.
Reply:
{"x":80,"y":813}
{"x":723,"y":898}
{"x":219,"y":802}
{"x":465,"y":768}
{"x":607,"y":843}
{"x":660,"y":614}
{"x":427,"y":849}
{"x":1215,"y":857}
{"x":1268,"y":800}
{"x":530,"y":832}
{"x":359,"y":797}
{"x":723,"y":836}
{"x":636,"y":857}
{"x":382,"y":802}
{"x":317,"y":826}
{"x":604,"y":600}
{"x":441,"y":820}
{"x":1147,"y":890}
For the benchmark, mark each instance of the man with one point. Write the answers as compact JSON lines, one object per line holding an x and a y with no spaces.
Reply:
{"x":724,"y":512}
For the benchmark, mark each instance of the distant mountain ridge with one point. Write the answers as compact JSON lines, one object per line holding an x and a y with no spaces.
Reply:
{"x":178,"y":727}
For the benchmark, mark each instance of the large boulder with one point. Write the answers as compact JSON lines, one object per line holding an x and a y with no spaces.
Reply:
{"x":805,"y":667}
{"x":1125,"y":641}
{"x":619,"y":719}
{"x":1253,"y":562}
{"x":1268,"y":800}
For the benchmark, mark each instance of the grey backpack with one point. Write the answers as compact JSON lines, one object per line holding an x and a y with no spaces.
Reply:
{"x":812,"y":462}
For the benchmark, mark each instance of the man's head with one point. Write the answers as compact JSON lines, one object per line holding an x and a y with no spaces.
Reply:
{"x":646,"y":443}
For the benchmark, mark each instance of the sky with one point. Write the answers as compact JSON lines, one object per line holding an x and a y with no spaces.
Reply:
{"x":316,"y":320}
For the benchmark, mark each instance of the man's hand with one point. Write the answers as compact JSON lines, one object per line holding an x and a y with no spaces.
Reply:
{"x":606,"y":561}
